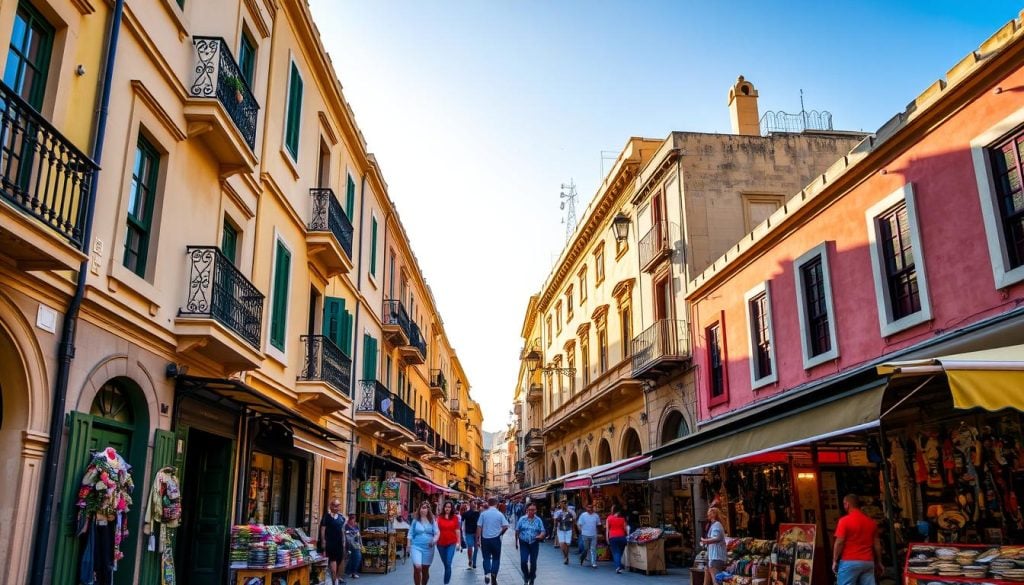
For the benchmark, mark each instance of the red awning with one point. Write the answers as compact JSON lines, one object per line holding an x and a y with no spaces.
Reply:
{"x":432,"y":488}
{"x":585,"y":478}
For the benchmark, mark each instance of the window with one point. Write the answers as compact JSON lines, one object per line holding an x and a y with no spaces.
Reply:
{"x":293,"y":117}
{"x":558,"y":316}
{"x":141,"y":200}
{"x":547,"y":323}
{"x":583,"y":285}
{"x":28,"y":59}
{"x":373,"y":246}
{"x":602,"y":349}
{"x":757,"y":208}
{"x":350,"y":196}
{"x":387,"y":374}
{"x":391,"y":276}
{"x":716,"y":365}
{"x":625,"y":318}
{"x":901,"y":289}
{"x":568,"y":304}
{"x":760,"y":337}
{"x":369,"y":357}
{"x":229,"y":241}
{"x":599,"y":265}
{"x":570,"y":362}
{"x":1006,"y":170}
{"x":247,"y":58}
{"x":814,"y":306}
{"x":279,"y":301}
{"x":998,"y":161}
{"x":585,"y":358}
{"x":338,"y":324}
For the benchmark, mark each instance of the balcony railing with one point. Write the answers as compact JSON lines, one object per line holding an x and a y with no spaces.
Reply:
{"x":416,"y":340}
{"x":665,"y":340}
{"x":374,"y":397}
{"x":43,"y":174}
{"x":216,"y":289}
{"x":425,"y":432}
{"x":533,"y":435}
{"x":395,"y":314}
{"x":654,"y":245}
{"x":328,"y":217}
{"x":217,"y":75}
{"x":325,"y":362}
{"x":437,"y":380}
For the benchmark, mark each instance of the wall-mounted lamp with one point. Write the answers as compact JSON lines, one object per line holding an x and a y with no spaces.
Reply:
{"x":620,"y":227}
{"x":174,"y":370}
{"x":533,"y":364}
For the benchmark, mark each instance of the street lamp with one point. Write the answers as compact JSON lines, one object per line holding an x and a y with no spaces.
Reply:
{"x":533,"y":364}
{"x":620,"y":227}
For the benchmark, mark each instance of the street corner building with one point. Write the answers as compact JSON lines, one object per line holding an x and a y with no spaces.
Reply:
{"x":768,"y":320}
{"x":212,"y":321}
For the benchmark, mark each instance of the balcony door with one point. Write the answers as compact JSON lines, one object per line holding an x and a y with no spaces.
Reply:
{"x":28,"y":58}
{"x":663,"y":298}
{"x":657,"y":220}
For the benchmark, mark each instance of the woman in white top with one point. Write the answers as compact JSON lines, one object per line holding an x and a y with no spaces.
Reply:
{"x":715,"y":543}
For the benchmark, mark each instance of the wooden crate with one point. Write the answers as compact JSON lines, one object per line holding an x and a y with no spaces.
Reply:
{"x":647,"y":558}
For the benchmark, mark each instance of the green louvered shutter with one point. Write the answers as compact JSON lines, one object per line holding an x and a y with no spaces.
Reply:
{"x":334,"y":320}
{"x":350,"y":198}
{"x":164,"y":455}
{"x":279,"y":311}
{"x":65,"y":558}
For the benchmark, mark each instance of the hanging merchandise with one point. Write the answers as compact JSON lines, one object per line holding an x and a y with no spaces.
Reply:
{"x":163,"y":509}
{"x":104,"y":499}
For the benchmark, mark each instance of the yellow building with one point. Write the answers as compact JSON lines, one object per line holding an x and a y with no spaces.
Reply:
{"x":235,"y":282}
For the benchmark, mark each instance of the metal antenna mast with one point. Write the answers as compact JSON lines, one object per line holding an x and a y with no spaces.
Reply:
{"x":569,"y":206}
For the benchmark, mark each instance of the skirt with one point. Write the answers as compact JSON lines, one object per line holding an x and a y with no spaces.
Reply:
{"x":421,"y":555}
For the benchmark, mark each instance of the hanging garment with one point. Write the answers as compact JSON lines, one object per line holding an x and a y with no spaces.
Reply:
{"x":104,"y":499}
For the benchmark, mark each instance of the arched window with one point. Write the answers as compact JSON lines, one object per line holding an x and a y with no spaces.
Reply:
{"x":631,"y":445}
{"x":574,"y":463}
{"x":112,"y":403}
{"x":674,"y":427}
{"x":586,"y":459}
{"x":604,"y":452}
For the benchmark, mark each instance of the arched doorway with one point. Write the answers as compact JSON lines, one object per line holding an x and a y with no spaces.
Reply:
{"x":561,"y":467}
{"x":554,"y":470}
{"x":118,"y":417}
{"x":604,"y":452}
{"x":586,"y":459}
{"x":674,"y":427}
{"x":631,"y":445}
{"x":574,"y":462}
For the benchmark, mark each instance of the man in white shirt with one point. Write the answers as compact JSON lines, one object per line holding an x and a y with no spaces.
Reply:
{"x":588,"y":523}
{"x":490,"y":528}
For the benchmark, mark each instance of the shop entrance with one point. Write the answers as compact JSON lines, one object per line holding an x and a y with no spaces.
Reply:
{"x":207,"y":497}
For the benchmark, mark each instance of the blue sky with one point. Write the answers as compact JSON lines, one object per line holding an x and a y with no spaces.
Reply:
{"x":479,"y":110}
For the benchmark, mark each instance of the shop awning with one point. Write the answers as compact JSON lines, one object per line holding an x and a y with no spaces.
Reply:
{"x":585,"y":477}
{"x":781,"y":428}
{"x":432,"y":488}
{"x":992,"y":379}
{"x":615,"y":475}
{"x":237,"y":395}
{"x":313,"y":444}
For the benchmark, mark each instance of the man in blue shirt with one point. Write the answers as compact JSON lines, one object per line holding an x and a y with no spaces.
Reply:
{"x":490,"y":528}
{"x":529,"y":534}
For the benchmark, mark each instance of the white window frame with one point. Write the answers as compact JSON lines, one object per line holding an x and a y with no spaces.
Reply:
{"x":887,"y":325}
{"x":991,"y":216}
{"x":269,"y":348}
{"x":826,"y":274}
{"x":772,"y":378}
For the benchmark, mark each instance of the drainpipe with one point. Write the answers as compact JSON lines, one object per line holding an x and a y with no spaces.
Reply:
{"x":66,"y":349}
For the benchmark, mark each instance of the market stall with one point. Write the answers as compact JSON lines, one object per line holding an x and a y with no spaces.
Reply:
{"x":271,"y":553}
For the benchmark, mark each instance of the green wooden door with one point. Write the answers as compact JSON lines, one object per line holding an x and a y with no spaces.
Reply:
{"x":209,"y":469}
{"x":65,"y":558}
{"x":163,"y":456}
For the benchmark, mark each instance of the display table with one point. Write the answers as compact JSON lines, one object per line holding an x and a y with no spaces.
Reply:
{"x":648,"y":557}
{"x":962,"y":563}
{"x":306,"y":573}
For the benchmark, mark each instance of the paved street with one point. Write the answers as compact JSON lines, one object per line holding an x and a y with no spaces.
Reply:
{"x":549,"y":570}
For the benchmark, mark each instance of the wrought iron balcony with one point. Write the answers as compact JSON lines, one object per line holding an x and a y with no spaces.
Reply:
{"x":415,"y":351}
{"x":217,"y":74}
{"x":438,"y":385}
{"x":425,"y":433}
{"x":45,"y":177}
{"x":661,"y":347}
{"x":455,"y":407}
{"x":325,"y":362}
{"x":396,"y":322}
{"x":330,"y":232}
{"x":654,"y":246}
{"x":219,"y":291}
{"x":376,"y":399}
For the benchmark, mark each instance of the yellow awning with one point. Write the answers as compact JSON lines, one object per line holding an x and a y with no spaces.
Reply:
{"x":992,"y":379}
{"x":836,"y":417}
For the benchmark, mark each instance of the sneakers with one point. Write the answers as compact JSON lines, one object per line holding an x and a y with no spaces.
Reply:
{"x":618,"y":571}
{"x":354,"y":576}
{"x":487,"y":579}
{"x":566,"y":561}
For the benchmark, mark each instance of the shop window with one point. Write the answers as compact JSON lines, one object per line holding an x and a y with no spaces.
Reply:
{"x":276,"y":492}
{"x":814,"y":306}
{"x":717,"y":389}
{"x":901,"y":289}
{"x":759,"y":337}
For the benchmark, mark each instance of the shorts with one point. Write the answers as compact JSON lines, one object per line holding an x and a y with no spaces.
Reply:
{"x":421,"y":556}
{"x":717,"y":566}
{"x":564,"y":537}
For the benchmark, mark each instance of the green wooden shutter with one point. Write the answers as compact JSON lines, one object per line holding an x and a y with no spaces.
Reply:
{"x":346,"y":333}
{"x":373,"y":246}
{"x":350,"y":198}
{"x":369,"y":358}
{"x":279,"y":310}
{"x":65,"y":558}
{"x":164,"y":455}
{"x":294,"y":117}
{"x":334,"y":320}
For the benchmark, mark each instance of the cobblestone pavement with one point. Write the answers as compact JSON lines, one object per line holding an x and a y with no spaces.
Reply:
{"x":550,"y":570}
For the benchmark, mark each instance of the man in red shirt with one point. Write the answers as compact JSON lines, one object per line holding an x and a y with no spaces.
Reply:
{"x":857,"y":553}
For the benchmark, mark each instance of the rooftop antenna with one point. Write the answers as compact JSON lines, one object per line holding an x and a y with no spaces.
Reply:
{"x":569,"y":206}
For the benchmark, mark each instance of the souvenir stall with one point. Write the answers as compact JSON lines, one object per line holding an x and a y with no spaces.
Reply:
{"x":267,"y":554}
{"x":379,"y":504}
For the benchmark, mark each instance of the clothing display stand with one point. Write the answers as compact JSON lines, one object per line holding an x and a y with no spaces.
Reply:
{"x":163,"y":512}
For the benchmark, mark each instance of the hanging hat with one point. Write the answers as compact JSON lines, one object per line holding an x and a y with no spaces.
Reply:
{"x":952,"y":520}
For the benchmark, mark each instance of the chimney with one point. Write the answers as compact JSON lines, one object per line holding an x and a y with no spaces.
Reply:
{"x":743,"y":108}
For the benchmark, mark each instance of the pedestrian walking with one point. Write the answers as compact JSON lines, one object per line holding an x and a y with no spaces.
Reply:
{"x":469,"y":528}
{"x":354,"y":547}
{"x":615,"y":533}
{"x":423,"y":535}
{"x":588,"y":523}
{"x":490,"y":528}
{"x":565,"y":521}
{"x":332,"y":538}
{"x":714,"y":540}
{"x":451,"y":536}
{"x":529,"y":534}
{"x":857,"y":554}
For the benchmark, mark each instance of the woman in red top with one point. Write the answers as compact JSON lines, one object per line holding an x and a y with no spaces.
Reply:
{"x":451,"y":536}
{"x":615,"y":533}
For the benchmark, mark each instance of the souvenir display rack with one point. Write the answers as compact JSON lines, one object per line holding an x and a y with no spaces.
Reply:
{"x":645,"y":548}
{"x":271,"y":553}
{"x":378,"y":543}
{"x":929,"y":563}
